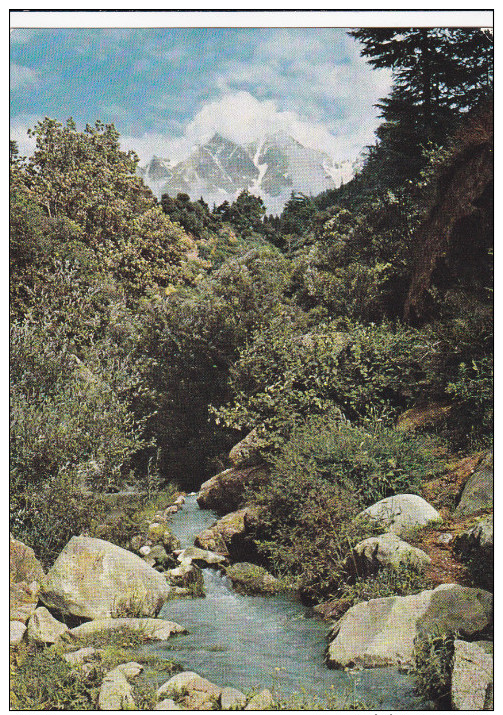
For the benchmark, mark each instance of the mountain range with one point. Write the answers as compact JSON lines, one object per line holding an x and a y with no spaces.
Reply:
{"x":271,"y":168}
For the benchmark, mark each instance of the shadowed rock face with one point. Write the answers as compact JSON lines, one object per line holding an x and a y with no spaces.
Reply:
{"x":92,"y":578}
{"x":383,"y":631}
{"x":224,"y":492}
{"x":478,"y":491}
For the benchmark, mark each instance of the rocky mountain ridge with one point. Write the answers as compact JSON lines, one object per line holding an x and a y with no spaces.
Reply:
{"x":271,"y":167}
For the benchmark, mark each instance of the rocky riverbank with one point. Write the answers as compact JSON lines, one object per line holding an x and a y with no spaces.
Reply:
{"x":97,"y":598}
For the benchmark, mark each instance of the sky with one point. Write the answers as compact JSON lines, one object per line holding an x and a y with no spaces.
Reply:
{"x":169,"y":89}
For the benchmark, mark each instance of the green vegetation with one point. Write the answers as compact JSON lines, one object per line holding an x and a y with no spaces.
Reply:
{"x":148,"y":337}
{"x":40,"y":679}
{"x":434,"y":655}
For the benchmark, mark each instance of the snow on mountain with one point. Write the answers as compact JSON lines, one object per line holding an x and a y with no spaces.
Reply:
{"x":271,"y":168}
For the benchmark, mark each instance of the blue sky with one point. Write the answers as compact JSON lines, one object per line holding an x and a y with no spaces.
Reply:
{"x":167,"y":90}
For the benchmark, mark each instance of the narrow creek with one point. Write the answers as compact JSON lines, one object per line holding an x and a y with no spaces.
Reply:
{"x":275,"y":642}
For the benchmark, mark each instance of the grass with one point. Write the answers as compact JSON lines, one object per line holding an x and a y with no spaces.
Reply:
{"x":434,"y":656}
{"x":42,"y":680}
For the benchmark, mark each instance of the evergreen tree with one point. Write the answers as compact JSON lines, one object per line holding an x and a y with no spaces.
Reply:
{"x":439,"y":73}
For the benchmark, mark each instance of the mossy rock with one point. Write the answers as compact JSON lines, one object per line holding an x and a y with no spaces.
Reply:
{"x":253,"y":580}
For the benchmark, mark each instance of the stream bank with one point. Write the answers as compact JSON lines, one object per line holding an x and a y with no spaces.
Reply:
{"x":250,"y":642}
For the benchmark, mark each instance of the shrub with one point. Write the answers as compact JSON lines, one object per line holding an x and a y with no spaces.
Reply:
{"x":434,"y":656}
{"x":286,"y":374}
{"x":320,"y":480}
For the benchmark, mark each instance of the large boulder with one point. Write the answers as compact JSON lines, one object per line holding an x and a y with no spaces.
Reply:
{"x":44,"y":628}
{"x":152,"y":628}
{"x":472,"y":676}
{"x":253,"y":580}
{"x":224,"y":492}
{"x":382,"y":631}
{"x":92,"y":578}
{"x":386,"y":550}
{"x":401,"y":513}
{"x":196,"y":693}
{"x":246,"y":453}
{"x":230,"y":535}
{"x":477,"y":494}
{"x":25,"y":576}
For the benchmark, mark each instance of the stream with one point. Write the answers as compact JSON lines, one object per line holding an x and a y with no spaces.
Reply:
{"x":253,"y":642}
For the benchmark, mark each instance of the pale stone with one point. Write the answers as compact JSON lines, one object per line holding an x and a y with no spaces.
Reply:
{"x":472,"y":676}
{"x":154,"y":628}
{"x":44,"y":628}
{"x":17,"y":631}
{"x":79,"y":657}
{"x":92,"y":578}
{"x":261,"y":701}
{"x":115,"y":692}
{"x":402,"y":512}
{"x":376,"y":552}
{"x":232,"y":699}
{"x":202,"y":557}
{"x":167,"y":704}
{"x":25,"y":575}
{"x":382,"y":631}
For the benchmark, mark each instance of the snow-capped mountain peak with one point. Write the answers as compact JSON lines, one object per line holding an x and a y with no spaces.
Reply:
{"x":271,"y":167}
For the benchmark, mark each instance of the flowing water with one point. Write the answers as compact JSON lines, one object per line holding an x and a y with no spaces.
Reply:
{"x":250,"y":642}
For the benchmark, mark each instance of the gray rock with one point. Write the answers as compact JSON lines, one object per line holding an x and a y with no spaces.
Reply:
{"x":92,"y":578}
{"x":246,"y":453}
{"x":372,"y":554}
{"x":230,"y":535}
{"x":472,"y":676}
{"x":402,"y":512}
{"x":198,"y":693}
{"x":187,"y":576}
{"x":261,"y":701}
{"x":478,"y":491}
{"x":79,"y":657}
{"x":131,"y":669}
{"x":25,"y":576}
{"x":154,"y":628}
{"x":252,"y":579}
{"x":115,"y":692}
{"x":232,"y":699}
{"x":167,"y":704}
{"x":16,"y":632}
{"x":382,"y":631}
{"x":224,"y":492}
{"x":44,"y":628}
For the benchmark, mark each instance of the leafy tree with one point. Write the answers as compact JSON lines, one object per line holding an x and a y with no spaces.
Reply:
{"x":84,"y":178}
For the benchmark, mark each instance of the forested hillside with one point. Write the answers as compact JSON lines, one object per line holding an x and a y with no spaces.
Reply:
{"x":148,"y":337}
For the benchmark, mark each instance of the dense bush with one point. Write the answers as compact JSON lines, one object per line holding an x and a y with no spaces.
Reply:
{"x":322,"y":477}
{"x":288,"y":372}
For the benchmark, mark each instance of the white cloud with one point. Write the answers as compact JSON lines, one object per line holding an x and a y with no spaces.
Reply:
{"x":243,"y":118}
{"x":18,"y":132}
{"x":21,"y":76}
